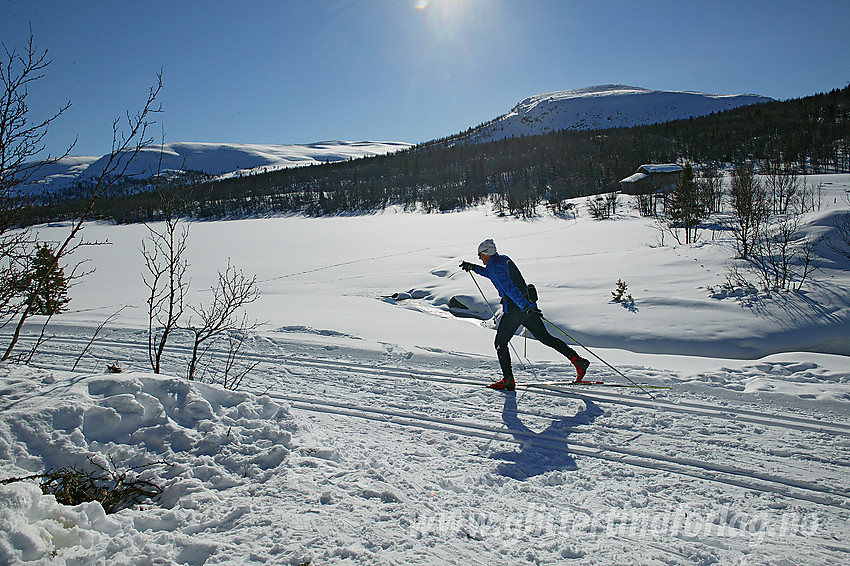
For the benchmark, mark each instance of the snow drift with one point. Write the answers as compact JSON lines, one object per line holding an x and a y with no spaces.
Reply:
{"x":195,"y":439}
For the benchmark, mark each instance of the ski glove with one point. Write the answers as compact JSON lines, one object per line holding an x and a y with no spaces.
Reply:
{"x":533,"y":311}
{"x":466,"y":266}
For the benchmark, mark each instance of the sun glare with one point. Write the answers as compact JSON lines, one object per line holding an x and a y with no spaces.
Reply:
{"x":447,"y":18}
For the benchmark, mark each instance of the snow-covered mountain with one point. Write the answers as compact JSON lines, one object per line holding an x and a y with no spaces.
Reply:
{"x":605,"y":106}
{"x":220,"y":159}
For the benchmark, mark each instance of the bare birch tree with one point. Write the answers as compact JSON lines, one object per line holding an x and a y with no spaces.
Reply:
{"x":232,"y":292}
{"x":21,"y":138}
{"x":783,"y":257}
{"x":20,"y":141}
{"x":782,"y":187}
{"x":749,"y":209}
{"x":164,"y":253}
{"x":839,"y":240}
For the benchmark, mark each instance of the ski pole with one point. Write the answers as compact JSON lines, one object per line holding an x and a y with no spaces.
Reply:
{"x":474,"y":280}
{"x":595,"y":355}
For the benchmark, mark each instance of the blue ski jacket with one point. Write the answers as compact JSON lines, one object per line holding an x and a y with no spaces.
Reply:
{"x":508,"y":281}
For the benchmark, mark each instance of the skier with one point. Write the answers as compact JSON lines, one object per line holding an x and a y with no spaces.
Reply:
{"x":517,"y":310}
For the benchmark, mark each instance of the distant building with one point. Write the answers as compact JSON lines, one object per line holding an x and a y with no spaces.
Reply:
{"x":651,"y":178}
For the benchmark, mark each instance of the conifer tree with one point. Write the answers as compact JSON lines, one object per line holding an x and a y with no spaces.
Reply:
{"x":48,"y":287}
{"x":686,"y":208}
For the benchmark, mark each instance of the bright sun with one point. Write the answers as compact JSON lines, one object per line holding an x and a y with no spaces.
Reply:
{"x":446,"y":18}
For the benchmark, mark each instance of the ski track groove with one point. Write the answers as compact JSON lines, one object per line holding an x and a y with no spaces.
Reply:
{"x":707,"y":471}
{"x":610,"y":429}
{"x":685,"y":407}
{"x":701,"y":470}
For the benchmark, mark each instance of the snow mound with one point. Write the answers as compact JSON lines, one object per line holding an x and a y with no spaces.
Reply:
{"x":605,"y":106}
{"x":205,"y":438}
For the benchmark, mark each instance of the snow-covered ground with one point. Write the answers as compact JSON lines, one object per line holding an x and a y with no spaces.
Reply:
{"x":363,"y":435}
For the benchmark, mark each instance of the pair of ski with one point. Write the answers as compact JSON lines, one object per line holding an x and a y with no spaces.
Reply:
{"x":562,"y":383}
{"x":544,"y":384}
{"x":559,"y":383}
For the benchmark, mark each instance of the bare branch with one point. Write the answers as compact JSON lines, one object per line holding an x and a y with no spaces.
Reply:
{"x":233,"y":291}
{"x":165,"y":264}
{"x":20,"y":141}
{"x":96,"y":332}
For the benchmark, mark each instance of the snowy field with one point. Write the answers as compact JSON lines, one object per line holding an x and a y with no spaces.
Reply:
{"x":364,"y":435}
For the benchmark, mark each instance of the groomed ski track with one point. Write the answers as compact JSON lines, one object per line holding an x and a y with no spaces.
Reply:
{"x":684,"y":466}
{"x":335,"y":377}
{"x":629,"y":399}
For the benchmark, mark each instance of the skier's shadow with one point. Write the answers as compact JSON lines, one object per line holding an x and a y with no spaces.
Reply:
{"x":540,"y":452}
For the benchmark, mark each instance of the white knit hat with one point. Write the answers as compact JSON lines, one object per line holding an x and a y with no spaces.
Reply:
{"x":487,"y":247}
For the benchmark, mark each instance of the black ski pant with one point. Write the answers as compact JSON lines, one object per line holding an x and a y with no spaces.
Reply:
{"x":508,"y":325}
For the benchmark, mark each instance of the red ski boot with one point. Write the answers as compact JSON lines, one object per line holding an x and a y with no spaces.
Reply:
{"x":581,"y":367}
{"x":504,"y":385}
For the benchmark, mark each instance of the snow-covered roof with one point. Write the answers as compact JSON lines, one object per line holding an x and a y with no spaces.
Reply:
{"x":650,"y":169}
{"x":634,"y":178}
{"x":660,"y":168}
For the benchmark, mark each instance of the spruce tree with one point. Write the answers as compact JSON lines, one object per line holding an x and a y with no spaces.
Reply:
{"x":48,"y":287}
{"x":686,"y":208}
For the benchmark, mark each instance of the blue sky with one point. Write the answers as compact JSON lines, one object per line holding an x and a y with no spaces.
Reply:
{"x":400,"y":70}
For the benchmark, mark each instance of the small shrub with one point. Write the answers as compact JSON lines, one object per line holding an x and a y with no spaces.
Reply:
{"x":619,"y":295}
{"x":113,"y":489}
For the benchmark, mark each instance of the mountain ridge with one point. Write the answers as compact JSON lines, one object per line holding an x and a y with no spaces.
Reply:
{"x":602,"y":107}
{"x":215,"y":158}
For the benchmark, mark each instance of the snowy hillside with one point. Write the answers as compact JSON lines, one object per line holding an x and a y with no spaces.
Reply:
{"x":606,"y":106}
{"x":363,"y":434}
{"x":219,"y":159}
